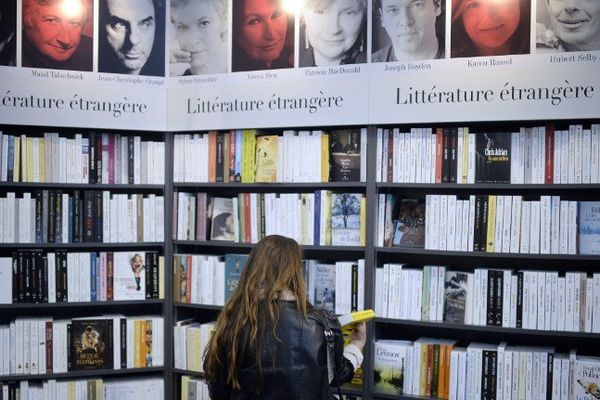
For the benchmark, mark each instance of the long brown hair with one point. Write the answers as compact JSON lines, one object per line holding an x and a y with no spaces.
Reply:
{"x":274,"y":266}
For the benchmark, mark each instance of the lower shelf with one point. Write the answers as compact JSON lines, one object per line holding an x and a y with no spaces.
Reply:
{"x":84,"y":374}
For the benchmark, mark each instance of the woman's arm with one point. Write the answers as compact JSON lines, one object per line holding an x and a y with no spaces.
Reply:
{"x":347,"y":358}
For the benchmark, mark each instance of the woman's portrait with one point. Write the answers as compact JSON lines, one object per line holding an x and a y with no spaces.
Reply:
{"x":199,"y":33}
{"x":8,"y":32}
{"x":263,"y":36}
{"x":490,"y":27}
{"x":333,"y":32}
{"x":137,"y":267}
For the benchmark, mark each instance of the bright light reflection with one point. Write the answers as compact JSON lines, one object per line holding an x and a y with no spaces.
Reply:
{"x":72,"y":8}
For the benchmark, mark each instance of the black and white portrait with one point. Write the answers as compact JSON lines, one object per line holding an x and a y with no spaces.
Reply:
{"x":132,"y":37}
{"x":405,"y":30}
{"x":198,"y":37}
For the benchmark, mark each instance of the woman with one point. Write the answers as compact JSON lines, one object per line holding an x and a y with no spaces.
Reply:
{"x":199,"y":45}
{"x":334,"y":32}
{"x":263,"y":36}
{"x":8,"y":37}
{"x":269,"y":342}
{"x":490,"y":27}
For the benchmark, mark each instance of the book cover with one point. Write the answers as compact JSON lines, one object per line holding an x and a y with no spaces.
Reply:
{"x":493,"y":157}
{"x":222,"y":224}
{"x":91,"y":344}
{"x":455,"y":296}
{"x":389,"y":366}
{"x":324,"y":286}
{"x":234,"y":266}
{"x":266,"y":159}
{"x":344,"y":157}
{"x":345,"y":219}
{"x":589,"y":227}
{"x":409,"y":226}
{"x":129,"y":280}
{"x":586,"y":378}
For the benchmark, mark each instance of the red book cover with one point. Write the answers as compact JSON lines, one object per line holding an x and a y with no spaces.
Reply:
{"x":549,"y":178}
{"x":111,"y":159}
{"x":188,"y":280}
{"x":232,"y":145}
{"x":49,"y":360}
{"x":439,"y":148}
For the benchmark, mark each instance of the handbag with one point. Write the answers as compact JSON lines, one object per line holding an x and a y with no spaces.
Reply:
{"x":331,"y":370}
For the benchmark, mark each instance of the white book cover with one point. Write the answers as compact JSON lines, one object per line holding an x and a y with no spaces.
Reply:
{"x":545,"y":224}
{"x":534,"y":229}
{"x":556,"y":368}
{"x":554,"y":300}
{"x":378,"y":159}
{"x":506,"y":224}
{"x":515,"y":156}
{"x":571,"y":154}
{"x":586,"y":157}
{"x":578,"y":154}
{"x":6,"y":280}
{"x":515,"y":225}
{"x":506,"y":293}
{"x":513,"y":301}
{"x":458,"y":221}
{"x":596,"y":304}
{"x":451,"y":220}
{"x":471,"y":226}
{"x":129,"y":276}
{"x":586,"y":378}
{"x":547,"y":313}
{"x":564,"y":157}
{"x":555,"y":225}
{"x":557,"y":153}
{"x":589,"y":304}
{"x":561,"y":305}
{"x":499,"y":220}
{"x":570,"y":299}
{"x":572,"y":228}
{"x":595,"y":158}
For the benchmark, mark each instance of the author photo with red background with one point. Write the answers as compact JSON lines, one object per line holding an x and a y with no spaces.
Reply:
{"x":490,"y":27}
{"x":57,"y":34}
{"x":263,"y":35}
{"x":333,"y":32}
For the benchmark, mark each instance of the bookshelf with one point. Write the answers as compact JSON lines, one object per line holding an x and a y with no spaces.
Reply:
{"x":65,"y":310}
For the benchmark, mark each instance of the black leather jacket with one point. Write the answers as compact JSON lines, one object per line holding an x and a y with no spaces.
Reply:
{"x":295,"y":367}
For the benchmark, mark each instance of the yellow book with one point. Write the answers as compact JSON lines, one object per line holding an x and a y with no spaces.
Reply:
{"x":99,"y":389}
{"x":348,"y":320}
{"x":161,"y":277}
{"x":266,"y":159}
{"x":137,"y":334}
{"x":423,"y":369}
{"x":17,"y":160}
{"x":491,"y":224}
{"x":71,"y":391}
{"x":42,"y":157}
{"x":325,"y":157}
{"x":24,"y":172}
{"x":363,"y":221}
{"x":248,"y":148}
{"x":142,"y":353}
{"x":194,"y":356}
{"x":29,"y":159}
{"x":185,"y":379}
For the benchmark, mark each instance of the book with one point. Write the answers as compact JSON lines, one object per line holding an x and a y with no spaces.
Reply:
{"x":345,"y":219}
{"x":493,"y":157}
{"x":323,"y":276}
{"x":586,"y":378}
{"x":266,"y":159}
{"x":90,"y":344}
{"x":455,"y":296}
{"x":129,"y":278}
{"x":589,"y":227}
{"x":347,"y":320}
{"x":234,"y":265}
{"x":390,"y":366}
{"x":409,"y":227}
{"x":345,"y":155}
{"x":222,"y":224}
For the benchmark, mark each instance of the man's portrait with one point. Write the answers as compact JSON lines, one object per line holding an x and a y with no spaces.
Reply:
{"x":132,"y":37}
{"x":572,"y":25}
{"x":57,"y":34}
{"x":8,"y":32}
{"x":405,"y":30}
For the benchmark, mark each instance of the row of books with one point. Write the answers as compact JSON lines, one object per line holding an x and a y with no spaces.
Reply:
{"x":319,"y":218}
{"x":437,"y":368}
{"x":94,"y":158}
{"x":250,"y":156}
{"x":538,"y":155}
{"x":52,"y":216}
{"x":41,"y":345}
{"x":29,"y":276}
{"x":210,"y":280}
{"x":89,"y":389}
{"x":193,"y":388}
{"x":527,"y":299}
{"x":190,"y":338}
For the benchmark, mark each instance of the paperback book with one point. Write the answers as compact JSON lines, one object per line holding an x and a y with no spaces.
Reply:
{"x":266,"y":158}
{"x":234,"y":266}
{"x":586,"y":378}
{"x":129,"y":277}
{"x":222,"y":219}
{"x":390,"y":365}
{"x":493,"y":157}
{"x":455,"y":293}
{"x":409,"y":227}
{"x":589,"y":227}
{"x":345,"y":155}
{"x":90,"y":344}
{"x":345,"y":219}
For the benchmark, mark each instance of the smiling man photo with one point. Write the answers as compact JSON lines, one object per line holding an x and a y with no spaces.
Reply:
{"x":53,"y":35}
{"x":568,"y":25}
{"x":132,"y":37}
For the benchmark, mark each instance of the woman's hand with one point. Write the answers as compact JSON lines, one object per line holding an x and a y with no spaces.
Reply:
{"x":359,"y":335}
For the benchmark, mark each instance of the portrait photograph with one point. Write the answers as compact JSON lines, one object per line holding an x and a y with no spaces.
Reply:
{"x":132,"y":37}
{"x":263,"y":36}
{"x":333,"y":32}
{"x":567,"y":26}
{"x":8,"y":32}
{"x":406,"y":30}
{"x":58,"y":34}
{"x":490,"y":27}
{"x":198,"y":37}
